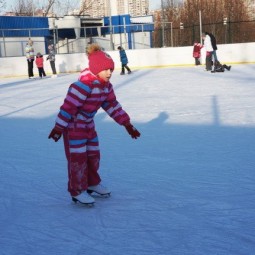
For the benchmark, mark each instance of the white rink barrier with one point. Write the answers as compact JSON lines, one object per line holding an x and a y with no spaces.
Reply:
{"x":140,"y":58}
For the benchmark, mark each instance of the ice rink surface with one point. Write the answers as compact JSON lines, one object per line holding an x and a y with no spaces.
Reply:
{"x":186,"y":187}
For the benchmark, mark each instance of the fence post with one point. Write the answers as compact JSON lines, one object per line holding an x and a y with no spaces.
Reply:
{"x":85,"y":39}
{"x":4,"y":43}
{"x":193,"y":34}
{"x":229,"y":31}
{"x":172,"y":42}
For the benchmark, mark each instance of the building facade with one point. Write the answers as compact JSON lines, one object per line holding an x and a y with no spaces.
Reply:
{"x":102,"y":8}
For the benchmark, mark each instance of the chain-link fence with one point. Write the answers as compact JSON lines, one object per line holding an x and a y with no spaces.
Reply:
{"x":185,"y":35}
{"x":135,"y":36}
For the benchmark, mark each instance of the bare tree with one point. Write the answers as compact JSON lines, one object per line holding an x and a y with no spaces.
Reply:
{"x":24,"y":8}
{"x":2,"y":4}
{"x":221,"y":17}
{"x":86,"y":4}
{"x":71,"y":7}
{"x":48,"y":7}
{"x":61,"y":8}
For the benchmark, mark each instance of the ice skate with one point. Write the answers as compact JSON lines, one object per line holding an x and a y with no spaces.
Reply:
{"x":99,"y":189}
{"x":84,"y":198}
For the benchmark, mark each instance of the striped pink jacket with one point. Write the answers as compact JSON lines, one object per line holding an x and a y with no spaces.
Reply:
{"x":83,"y":99}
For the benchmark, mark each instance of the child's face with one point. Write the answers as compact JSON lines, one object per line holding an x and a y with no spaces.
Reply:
{"x":105,"y":74}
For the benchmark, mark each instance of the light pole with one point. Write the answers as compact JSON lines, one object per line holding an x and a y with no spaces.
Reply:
{"x":225,"y":20}
{"x":33,"y":9}
{"x":163,"y":24}
{"x":110,"y":23}
{"x":181,"y":28}
{"x":200,"y":26}
{"x":172,"y":43}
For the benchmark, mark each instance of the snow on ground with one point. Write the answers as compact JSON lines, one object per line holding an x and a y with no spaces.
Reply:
{"x":185,"y":187}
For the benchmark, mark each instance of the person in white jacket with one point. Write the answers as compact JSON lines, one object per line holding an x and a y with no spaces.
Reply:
{"x":209,"y":50}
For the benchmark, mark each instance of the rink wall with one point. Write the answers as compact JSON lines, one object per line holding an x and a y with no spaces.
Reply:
{"x":140,"y":58}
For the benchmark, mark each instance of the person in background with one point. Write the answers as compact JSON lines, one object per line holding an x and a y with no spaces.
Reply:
{"x":30,"y":58}
{"x":51,"y":57}
{"x":75,"y":121}
{"x":209,"y":50}
{"x":124,"y":61}
{"x":39,"y":63}
{"x":197,"y":52}
{"x":218,"y":67}
{"x":214,"y":46}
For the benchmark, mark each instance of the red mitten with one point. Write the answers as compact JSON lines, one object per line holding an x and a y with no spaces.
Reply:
{"x":134,"y":133}
{"x":208,"y":53}
{"x":55,"y":134}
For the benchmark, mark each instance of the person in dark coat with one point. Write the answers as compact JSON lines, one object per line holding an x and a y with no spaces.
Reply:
{"x":51,"y":57}
{"x":124,"y":61}
{"x":214,"y":46}
{"x":218,"y":67}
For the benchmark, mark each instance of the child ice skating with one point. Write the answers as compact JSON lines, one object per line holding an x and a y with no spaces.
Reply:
{"x":197,"y":52}
{"x":123,"y":60}
{"x":39,"y":63}
{"x":75,"y":121}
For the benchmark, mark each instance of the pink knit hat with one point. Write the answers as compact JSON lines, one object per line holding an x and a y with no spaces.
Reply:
{"x":100,"y":61}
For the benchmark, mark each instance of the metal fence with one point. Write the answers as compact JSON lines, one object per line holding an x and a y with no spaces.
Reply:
{"x":75,"y":39}
{"x":136,"y":36}
{"x":185,"y":35}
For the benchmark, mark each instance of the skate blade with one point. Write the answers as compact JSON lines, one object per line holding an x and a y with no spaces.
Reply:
{"x":92,"y":192}
{"x":75,"y":200}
